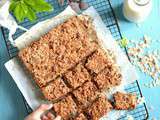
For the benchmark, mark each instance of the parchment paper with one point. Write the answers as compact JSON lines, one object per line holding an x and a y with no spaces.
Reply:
{"x":25,"y":82}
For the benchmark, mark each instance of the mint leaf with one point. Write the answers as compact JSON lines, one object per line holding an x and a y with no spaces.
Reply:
{"x":28,"y":8}
{"x":30,"y":2}
{"x":31,"y":15}
{"x":39,"y":5}
{"x":12,"y":6}
{"x":18,"y":12}
{"x":123,"y":42}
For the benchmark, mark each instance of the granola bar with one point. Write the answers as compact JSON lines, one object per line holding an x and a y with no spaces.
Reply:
{"x":56,"y":89}
{"x":124,"y":101}
{"x":108,"y":78}
{"x":66,"y":108}
{"x":98,"y":61}
{"x":77,"y":76}
{"x":86,"y":93}
{"x":99,"y":108}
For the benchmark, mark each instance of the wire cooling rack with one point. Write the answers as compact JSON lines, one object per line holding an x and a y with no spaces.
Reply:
{"x":106,"y":12}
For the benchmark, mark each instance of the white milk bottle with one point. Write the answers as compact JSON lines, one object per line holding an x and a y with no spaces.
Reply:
{"x":137,"y":10}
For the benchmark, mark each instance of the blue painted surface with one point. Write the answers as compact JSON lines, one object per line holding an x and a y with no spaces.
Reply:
{"x":150,"y":27}
{"x":11,"y":104}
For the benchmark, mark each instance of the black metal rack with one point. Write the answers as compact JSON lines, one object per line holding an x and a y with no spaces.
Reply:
{"x":107,"y":14}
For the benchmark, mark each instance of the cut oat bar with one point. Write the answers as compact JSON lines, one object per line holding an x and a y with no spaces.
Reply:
{"x":36,"y":60}
{"x":108,"y":78}
{"x":66,"y":108}
{"x":99,"y":108}
{"x":77,"y":76}
{"x":124,"y":101}
{"x":56,"y":89}
{"x":86,"y":93}
{"x":81,"y":116}
{"x":57,"y":51}
{"x":98,"y":61}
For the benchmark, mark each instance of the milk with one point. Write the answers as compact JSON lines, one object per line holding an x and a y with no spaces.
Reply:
{"x":137,"y":10}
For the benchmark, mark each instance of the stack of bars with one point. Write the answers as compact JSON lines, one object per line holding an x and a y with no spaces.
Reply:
{"x":72,"y":71}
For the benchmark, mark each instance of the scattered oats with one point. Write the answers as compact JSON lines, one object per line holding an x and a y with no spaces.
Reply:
{"x":146,"y":39}
{"x":141,"y":100}
{"x":129,"y":117}
{"x":147,"y":62}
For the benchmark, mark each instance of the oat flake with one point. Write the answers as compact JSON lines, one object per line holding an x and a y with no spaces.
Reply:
{"x":147,"y":62}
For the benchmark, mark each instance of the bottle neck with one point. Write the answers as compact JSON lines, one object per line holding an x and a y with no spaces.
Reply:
{"x":142,"y":2}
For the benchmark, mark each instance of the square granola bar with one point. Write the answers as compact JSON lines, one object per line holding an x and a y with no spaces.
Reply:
{"x":56,"y":89}
{"x":124,"y":101}
{"x":108,"y":78}
{"x":98,"y":61}
{"x":81,"y":116}
{"x":66,"y":108}
{"x":99,"y":108}
{"x":86,"y":93}
{"x":57,"y":51}
{"x":77,"y":76}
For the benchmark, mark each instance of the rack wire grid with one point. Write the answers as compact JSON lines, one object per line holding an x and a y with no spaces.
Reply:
{"x":107,"y":14}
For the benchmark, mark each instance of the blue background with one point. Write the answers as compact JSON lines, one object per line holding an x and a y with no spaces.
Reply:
{"x":151,"y":28}
{"x":11,"y":103}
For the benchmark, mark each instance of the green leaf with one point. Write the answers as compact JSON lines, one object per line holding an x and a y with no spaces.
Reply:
{"x":22,"y":11}
{"x":30,"y":2}
{"x":12,"y":6}
{"x":39,"y":5}
{"x":18,"y":12}
{"x":28,"y":8}
{"x":31,"y":15}
{"x":25,"y":8}
{"x":123,"y":42}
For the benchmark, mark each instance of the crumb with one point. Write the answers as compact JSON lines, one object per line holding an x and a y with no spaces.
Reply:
{"x":129,"y":117}
{"x":141,"y":100}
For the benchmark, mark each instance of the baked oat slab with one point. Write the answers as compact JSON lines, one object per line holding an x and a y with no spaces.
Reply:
{"x":124,"y":101}
{"x":77,"y":76}
{"x":56,"y":89}
{"x":66,"y":108}
{"x":86,"y":94}
{"x":57,"y":51}
{"x":99,"y":108}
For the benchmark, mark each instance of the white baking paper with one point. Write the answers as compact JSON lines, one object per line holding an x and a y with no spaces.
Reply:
{"x":25,"y":82}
